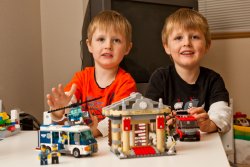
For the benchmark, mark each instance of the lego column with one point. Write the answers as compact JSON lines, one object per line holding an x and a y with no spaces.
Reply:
{"x":116,"y":135}
{"x":133,"y":136}
{"x":160,"y":133}
{"x":126,"y":121}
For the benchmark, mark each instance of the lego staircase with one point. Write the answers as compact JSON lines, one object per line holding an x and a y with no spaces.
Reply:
{"x":144,"y":150}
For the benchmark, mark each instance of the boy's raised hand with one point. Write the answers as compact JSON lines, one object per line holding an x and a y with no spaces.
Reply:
{"x":58,"y":98}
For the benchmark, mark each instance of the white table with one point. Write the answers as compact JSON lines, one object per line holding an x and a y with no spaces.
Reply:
{"x":19,"y":150}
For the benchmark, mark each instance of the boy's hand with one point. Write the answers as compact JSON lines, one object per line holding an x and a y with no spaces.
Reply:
{"x":171,"y":122}
{"x":58,"y":98}
{"x":93,"y":125}
{"x":171,"y":118}
{"x":203,"y":120}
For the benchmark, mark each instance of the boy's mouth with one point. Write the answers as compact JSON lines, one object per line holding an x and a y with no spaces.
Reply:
{"x":187,"y":53}
{"x":107,"y":55}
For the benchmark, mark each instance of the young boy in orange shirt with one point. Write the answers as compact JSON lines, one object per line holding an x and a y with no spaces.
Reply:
{"x":109,"y":40}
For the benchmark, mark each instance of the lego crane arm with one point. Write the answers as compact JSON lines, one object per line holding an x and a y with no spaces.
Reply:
{"x":74,"y":104}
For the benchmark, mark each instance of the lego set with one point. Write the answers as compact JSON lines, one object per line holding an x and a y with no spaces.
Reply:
{"x":9,"y":125}
{"x":138,"y":127}
{"x":75,"y":138}
{"x":187,"y":128}
{"x":241,"y":126}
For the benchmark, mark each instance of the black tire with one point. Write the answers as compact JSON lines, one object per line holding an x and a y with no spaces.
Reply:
{"x":76,"y":153}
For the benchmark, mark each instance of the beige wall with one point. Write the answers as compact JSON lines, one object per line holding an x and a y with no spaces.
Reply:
{"x":39,"y":48}
{"x":61,"y":34}
{"x":21,"y":75}
{"x":231,"y":59}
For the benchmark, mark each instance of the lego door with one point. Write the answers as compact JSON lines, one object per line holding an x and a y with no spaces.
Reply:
{"x":140,"y":134}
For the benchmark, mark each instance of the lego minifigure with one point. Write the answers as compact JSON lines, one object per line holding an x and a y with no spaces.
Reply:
{"x":43,"y":155}
{"x":75,"y":116}
{"x":55,"y":154}
{"x":240,"y":119}
{"x":62,"y":140}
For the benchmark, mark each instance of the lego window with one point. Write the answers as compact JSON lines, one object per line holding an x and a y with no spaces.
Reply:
{"x":45,"y":137}
{"x":55,"y":137}
{"x":72,"y":138}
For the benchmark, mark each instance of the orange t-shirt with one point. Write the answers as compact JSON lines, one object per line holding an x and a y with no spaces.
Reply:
{"x":87,"y":89}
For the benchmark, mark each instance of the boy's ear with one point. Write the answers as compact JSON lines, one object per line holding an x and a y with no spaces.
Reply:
{"x":128,"y":48}
{"x":167,"y":50}
{"x":208,"y":46}
{"x":89,"y":45}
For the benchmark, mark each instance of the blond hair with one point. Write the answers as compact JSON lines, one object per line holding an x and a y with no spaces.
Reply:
{"x":110,"y":19}
{"x":186,"y":19}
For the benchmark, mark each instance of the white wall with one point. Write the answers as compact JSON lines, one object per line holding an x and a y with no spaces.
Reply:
{"x":61,"y":34}
{"x":231,"y":58}
{"x":21,"y":75}
{"x":39,"y":48}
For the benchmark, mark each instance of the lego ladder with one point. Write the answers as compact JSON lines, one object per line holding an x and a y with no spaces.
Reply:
{"x":141,"y":134}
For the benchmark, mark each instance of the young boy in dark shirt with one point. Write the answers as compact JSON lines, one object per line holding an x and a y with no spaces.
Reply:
{"x":186,"y":85}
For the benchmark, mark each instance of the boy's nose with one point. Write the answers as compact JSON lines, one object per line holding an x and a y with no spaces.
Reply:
{"x":108,"y":45}
{"x":187,"y":42}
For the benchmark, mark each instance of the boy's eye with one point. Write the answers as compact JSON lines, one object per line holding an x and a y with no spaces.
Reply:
{"x":195,"y":37}
{"x":101,"y":39}
{"x":178,"y":38}
{"x":116,"y":40}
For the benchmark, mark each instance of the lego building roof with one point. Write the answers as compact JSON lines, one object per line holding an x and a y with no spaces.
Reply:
{"x":135,"y":104}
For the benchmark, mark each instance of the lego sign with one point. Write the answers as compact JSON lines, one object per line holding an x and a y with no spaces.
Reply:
{"x":126,"y":124}
{"x":160,"y":122}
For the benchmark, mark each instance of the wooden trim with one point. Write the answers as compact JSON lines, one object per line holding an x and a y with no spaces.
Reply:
{"x":229,"y":35}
